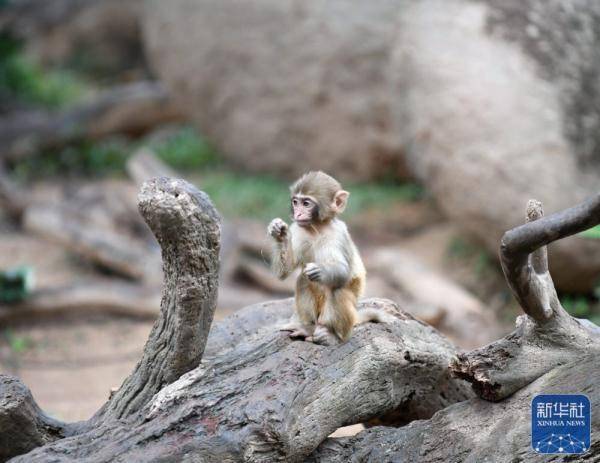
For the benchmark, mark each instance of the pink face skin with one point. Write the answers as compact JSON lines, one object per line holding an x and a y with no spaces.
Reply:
{"x":304,"y":210}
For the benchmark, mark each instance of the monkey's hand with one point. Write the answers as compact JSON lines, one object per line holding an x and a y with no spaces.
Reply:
{"x":313,"y":272}
{"x":278,"y":229}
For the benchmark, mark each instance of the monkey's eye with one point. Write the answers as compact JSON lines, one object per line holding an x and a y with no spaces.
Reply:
{"x":306,"y":203}
{"x":295,"y":202}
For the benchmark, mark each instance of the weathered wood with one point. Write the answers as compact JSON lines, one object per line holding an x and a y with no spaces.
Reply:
{"x":187,"y":227}
{"x":475,"y":430}
{"x":115,"y":298}
{"x":23,"y":425}
{"x":144,"y":165}
{"x":259,"y":396}
{"x":128,"y":109}
{"x":71,"y":228}
{"x":264,"y":397}
{"x":547,"y":336}
{"x":466,"y":321}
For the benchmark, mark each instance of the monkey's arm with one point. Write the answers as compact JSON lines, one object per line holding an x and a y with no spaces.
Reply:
{"x":282,"y":259}
{"x":332,"y":268}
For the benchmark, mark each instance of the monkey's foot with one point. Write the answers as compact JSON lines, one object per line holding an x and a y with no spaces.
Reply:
{"x":323,"y":337}
{"x":296,"y":330}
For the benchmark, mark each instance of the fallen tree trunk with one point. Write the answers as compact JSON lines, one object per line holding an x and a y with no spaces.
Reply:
{"x":259,"y":396}
{"x":114,"y":298}
{"x":264,"y":397}
{"x":475,"y":430}
{"x":466,"y":321}
{"x":70,"y":228}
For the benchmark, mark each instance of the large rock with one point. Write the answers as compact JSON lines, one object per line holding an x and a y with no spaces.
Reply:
{"x":282,"y":86}
{"x":96,"y":35}
{"x":501,"y":103}
{"x":488,"y":103}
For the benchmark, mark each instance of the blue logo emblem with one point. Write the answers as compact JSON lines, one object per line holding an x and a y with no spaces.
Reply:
{"x":560,"y":423}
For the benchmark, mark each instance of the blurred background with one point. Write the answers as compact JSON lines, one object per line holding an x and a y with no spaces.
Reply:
{"x":442,"y":118}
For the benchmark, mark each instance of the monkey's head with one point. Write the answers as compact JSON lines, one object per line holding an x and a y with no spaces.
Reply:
{"x":317,"y":198}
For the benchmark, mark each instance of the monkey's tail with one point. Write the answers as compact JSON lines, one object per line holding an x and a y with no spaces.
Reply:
{"x":374,"y":315}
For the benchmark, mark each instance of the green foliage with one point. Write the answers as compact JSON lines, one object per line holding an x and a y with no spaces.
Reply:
{"x":367,"y":195}
{"x":593,"y":233}
{"x":264,"y":197}
{"x":84,"y":158}
{"x":28,"y":82}
{"x":18,"y":344}
{"x":238,"y":195}
{"x":577,"y":305}
{"x":186,"y":150}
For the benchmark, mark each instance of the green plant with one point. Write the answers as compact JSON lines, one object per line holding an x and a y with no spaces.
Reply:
{"x":82,"y":158}
{"x":18,"y":344}
{"x":186,"y":149}
{"x":576,"y":305}
{"x":593,"y":233}
{"x":24,"y":80}
{"x":367,"y":195}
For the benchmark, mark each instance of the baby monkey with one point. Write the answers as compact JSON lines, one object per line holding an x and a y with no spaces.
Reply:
{"x":333,"y":276}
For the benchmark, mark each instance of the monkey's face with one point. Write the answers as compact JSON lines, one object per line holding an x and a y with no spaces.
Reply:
{"x":305,"y":210}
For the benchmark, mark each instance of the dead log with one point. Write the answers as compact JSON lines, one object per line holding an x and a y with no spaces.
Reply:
{"x":144,"y":165}
{"x":264,"y":397}
{"x":23,"y":425}
{"x":475,"y":430}
{"x":258,"y":395}
{"x":64,"y":225}
{"x":550,"y":351}
{"x":115,"y":298}
{"x":547,"y":336}
{"x":130,"y":109}
{"x":466,"y":321}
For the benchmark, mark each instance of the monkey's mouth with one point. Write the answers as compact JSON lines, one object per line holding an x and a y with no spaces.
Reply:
{"x":303,"y":222}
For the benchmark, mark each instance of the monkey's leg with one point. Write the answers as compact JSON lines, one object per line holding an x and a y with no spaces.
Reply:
{"x":297,"y":329}
{"x":339,"y":315}
{"x":309,"y":300}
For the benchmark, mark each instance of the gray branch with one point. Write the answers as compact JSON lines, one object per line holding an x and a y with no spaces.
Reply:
{"x":547,"y":336}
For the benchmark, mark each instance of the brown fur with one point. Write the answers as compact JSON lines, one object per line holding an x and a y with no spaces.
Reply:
{"x":322,"y":188}
{"x":325,"y":301}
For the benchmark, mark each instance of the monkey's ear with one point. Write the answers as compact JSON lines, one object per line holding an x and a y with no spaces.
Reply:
{"x":340,"y":200}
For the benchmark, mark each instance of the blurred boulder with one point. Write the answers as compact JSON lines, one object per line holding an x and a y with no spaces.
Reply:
{"x":97,"y":35}
{"x":501,"y":103}
{"x":488,"y":103}
{"x":283,"y":86}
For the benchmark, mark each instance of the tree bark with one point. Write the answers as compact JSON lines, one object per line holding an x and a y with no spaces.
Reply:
{"x":187,"y":228}
{"x":259,"y":396}
{"x":547,"y":336}
{"x":473,"y":431}
{"x":262,"y":397}
{"x":23,"y":425}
